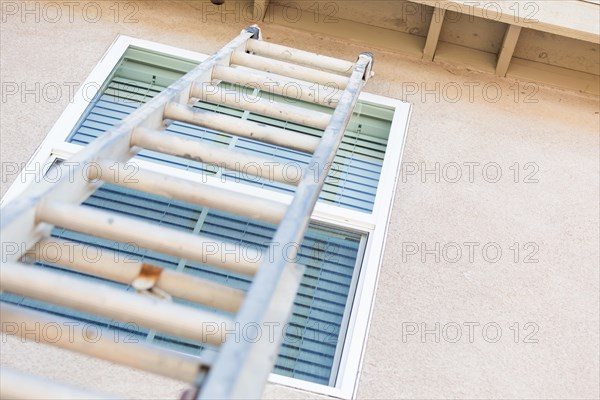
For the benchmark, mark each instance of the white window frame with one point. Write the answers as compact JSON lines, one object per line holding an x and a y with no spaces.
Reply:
{"x":375,"y":224}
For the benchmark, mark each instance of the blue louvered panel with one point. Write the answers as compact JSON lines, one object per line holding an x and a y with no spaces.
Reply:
{"x":311,"y":337}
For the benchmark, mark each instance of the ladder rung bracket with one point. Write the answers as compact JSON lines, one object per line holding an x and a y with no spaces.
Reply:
{"x":189,"y":191}
{"x":15,"y":385}
{"x":21,"y":322}
{"x":218,"y":156}
{"x":294,"y":71}
{"x":278,"y":110}
{"x":243,"y":128}
{"x":292,"y":89}
{"x":107,"y":301}
{"x":112,"y":266}
{"x":107,"y":225}
{"x":297,"y":56}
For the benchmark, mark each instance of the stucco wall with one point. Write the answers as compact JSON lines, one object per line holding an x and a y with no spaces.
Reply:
{"x":557,"y":213}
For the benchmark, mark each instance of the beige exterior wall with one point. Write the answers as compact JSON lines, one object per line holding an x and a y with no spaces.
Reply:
{"x":554,"y":130}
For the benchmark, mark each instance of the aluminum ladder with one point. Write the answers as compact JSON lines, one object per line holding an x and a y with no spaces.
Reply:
{"x":239,"y":368}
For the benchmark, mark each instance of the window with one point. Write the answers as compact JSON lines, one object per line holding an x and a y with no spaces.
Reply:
{"x":342,"y":248}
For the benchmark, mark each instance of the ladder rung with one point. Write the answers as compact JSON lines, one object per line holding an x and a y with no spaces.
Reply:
{"x":292,"y":89}
{"x":218,"y":156}
{"x":112,"y":266}
{"x":107,"y":301}
{"x":289,"y":54}
{"x":18,"y":386}
{"x":243,"y":128}
{"x":189,"y":191}
{"x":107,"y":225}
{"x":290,"y":70}
{"x":278,"y":110}
{"x":21,"y":322}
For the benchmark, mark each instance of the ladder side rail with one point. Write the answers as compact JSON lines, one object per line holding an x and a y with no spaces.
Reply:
{"x":266,"y":302}
{"x":19,"y":217}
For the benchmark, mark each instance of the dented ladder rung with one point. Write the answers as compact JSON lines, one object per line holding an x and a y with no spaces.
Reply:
{"x":217,"y":156}
{"x":294,"y":90}
{"x":15,"y":385}
{"x":189,"y":191}
{"x":297,"y":56}
{"x":260,"y":105}
{"x":107,"y":225}
{"x":21,"y":322}
{"x":107,"y":301}
{"x":142,"y":276}
{"x":243,"y":128}
{"x":294,"y":71}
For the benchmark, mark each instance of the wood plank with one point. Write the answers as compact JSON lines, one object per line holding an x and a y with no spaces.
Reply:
{"x":575,"y":19}
{"x":433,"y":34}
{"x":552,"y":75}
{"x":407,"y":44}
{"x":466,"y":56}
{"x":259,"y":9}
{"x":508,"y":48}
